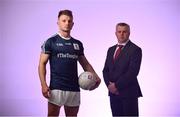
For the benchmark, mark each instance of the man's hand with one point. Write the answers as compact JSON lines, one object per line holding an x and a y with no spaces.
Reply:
{"x":46,"y":91}
{"x":112,"y":88}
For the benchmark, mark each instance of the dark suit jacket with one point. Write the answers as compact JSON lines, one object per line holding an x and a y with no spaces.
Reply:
{"x":124,"y":70}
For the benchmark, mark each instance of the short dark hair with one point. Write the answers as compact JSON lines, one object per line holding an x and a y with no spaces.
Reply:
{"x":123,"y":24}
{"x":65,"y":12}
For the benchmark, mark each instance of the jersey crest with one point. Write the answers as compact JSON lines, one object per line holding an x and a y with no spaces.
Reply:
{"x":76,"y":46}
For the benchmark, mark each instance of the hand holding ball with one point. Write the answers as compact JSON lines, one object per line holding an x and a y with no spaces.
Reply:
{"x":87,"y":80}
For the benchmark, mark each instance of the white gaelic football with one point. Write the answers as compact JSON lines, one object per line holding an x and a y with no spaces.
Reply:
{"x":87,"y":80}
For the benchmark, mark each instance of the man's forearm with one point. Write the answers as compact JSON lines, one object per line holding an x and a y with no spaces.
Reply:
{"x":42,"y":74}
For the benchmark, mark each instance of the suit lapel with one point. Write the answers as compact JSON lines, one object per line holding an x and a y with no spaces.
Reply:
{"x":112,"y":53}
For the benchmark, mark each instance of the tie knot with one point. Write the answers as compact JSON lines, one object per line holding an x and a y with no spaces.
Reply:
{"x":120,"y":46}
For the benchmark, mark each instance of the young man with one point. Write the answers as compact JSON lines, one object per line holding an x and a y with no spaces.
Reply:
{"x":120,"y":73}
{"x":63,"y":52}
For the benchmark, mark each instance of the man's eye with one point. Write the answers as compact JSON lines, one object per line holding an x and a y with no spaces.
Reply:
{"x":69,"y":21}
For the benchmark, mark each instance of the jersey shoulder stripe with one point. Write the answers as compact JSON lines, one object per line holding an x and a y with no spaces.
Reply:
{"x":46,"y":48}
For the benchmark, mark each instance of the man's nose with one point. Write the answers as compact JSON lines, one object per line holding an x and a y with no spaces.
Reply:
{"x":67,"y":23}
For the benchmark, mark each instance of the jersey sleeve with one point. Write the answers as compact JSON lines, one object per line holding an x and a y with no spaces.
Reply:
{"x":81,"y":52}
{"x":46,"y":47}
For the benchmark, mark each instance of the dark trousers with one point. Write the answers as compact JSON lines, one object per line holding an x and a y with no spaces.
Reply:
{"x":124,"y":106}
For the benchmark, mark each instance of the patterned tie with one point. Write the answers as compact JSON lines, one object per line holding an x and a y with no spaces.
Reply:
{"x":118,"y":51}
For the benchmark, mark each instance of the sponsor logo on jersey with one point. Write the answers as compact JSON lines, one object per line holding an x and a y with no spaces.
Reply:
{"x":68,"y":44}
{"x":59,"y":44}
{"x":67,"y":55}
{"x":76,"y":46}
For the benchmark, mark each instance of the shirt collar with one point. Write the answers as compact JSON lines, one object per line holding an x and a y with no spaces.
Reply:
{"x":123,"y":43}
{"x":63,"y":37}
